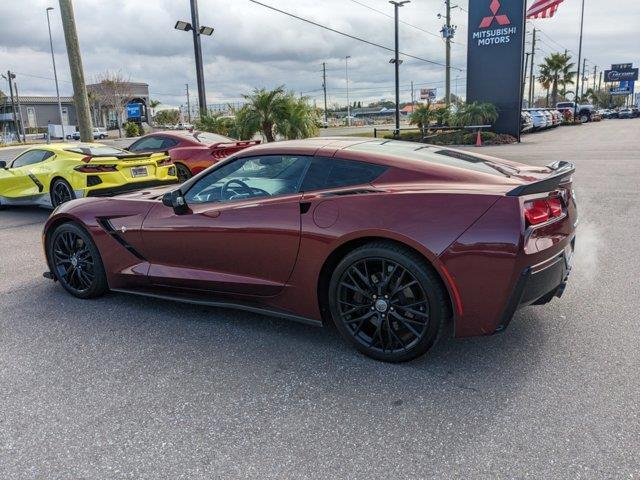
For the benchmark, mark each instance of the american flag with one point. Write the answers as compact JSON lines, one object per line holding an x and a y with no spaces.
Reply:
{"x":543,"y":8}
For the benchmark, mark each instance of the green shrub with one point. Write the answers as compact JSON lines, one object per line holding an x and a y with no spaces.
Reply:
{"x":131,"y":129}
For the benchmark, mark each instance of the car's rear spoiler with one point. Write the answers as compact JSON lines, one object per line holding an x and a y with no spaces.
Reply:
{"x":562,"y":172}
{"x":240,"y":143}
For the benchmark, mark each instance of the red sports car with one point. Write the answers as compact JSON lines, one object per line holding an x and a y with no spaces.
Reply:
{"x":191,"y":152}
{"x":389,"y":240}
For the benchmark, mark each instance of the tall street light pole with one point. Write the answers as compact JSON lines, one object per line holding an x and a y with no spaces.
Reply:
{"x":324,"y":88}
{"x":575,"y":107}
{"x":346,"y":70}
{"x":55,"y":73}
{"x":197,"y":30}
{"x":396,"y":61}
{"x":197,"y":47}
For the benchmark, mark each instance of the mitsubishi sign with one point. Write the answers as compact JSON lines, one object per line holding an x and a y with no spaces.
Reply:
{"x":494,"y":59}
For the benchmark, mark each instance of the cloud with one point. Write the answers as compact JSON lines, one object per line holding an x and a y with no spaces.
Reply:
{"x":255,"y":47}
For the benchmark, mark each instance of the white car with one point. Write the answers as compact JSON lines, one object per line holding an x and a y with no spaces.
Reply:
{"x":98,"y":134}
{"x":539,"y":119}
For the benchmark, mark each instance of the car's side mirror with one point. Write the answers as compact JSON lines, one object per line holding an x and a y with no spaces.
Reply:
{"x":3,"y":164}
{"x":175,"y":200}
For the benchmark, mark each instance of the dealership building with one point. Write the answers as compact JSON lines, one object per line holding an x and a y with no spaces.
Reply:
{"x":35,"y":113}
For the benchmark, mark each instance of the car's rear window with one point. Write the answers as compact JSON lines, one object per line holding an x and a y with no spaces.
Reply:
{"x":96,"y":151}
{"x":211,"y":138}
{"x":435,"y":155}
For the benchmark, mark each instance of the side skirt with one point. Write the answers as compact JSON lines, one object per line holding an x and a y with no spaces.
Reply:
{"x":226,"y":304}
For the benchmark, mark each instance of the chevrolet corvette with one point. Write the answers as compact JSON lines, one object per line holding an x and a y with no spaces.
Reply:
{"x":49,"y":175}
{"x":389,"y":240}
{"x":191,"y":152}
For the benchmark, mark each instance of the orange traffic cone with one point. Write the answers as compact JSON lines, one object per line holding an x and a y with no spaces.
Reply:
{"x":478,"y":139}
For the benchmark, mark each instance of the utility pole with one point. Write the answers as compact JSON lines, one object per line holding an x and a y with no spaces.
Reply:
{"x":447,"y":93}
{"x":346,"y":70}
{"x":55,"y":73}
{"x":396,"y":61}
{"x":533,"y":54}
{"x":584,"y":70}
{"x":24,"y":136}
{"x":595,"y":74}
{"x":80,"y":98}
{"x":412,"y":97}
{"x":524,"y":76}
{"x":324,"y":88}
{"x":575,"y":108}
{"x":188,"y":104}
{"x":10,"y":77}
{"x":195,"y":23}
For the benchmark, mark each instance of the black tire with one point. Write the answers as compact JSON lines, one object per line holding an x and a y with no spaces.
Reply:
{"x":183,"y":173}
{"x":76,"y":262}
{"x":61,"y":192}
{"x":585,"y":117}
{"x":380,"y":319}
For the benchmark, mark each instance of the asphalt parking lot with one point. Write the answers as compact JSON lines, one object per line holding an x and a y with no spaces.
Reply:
{"x":127,"y":387}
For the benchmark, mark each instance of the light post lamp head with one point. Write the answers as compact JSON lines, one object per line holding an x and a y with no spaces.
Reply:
{"x":49,"y":8}
{"x":184,"y":26}
{"x":399,"y":4}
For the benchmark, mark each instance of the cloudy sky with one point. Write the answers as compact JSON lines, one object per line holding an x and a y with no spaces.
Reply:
{"x":256,"y":47}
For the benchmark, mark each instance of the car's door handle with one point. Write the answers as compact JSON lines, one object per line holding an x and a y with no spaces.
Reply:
{"x":211,"y":213}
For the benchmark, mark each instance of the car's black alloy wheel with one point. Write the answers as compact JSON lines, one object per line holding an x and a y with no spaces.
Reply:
{"x":76,"y":262}
{"x":61,"y":192}
{"x":183,"y":173}
{"x":387,"y":302}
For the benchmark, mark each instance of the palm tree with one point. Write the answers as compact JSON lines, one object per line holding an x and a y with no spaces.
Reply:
{"x":476,"y":114}
{"x":422,"y":116}
{"x":300,"y":120}
{"x":556,"y":72}
{"x":265,"y":109}
{"x":153,"y":104}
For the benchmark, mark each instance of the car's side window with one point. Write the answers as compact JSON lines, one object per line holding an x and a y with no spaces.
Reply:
{"x":168,"y":143}
{"x":31,"y":157}
{"x":251,"y":177}
{"x":149,"y":143}
{"x":325,"y":173}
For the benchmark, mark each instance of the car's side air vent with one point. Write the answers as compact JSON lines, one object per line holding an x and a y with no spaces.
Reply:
{"x":109,"y":228}
{"x":355,"y":191}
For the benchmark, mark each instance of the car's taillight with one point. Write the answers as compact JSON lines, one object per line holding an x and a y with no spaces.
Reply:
{"x":542,"y":210}
{"x":96,"y":168}
{"x":164,"y":161}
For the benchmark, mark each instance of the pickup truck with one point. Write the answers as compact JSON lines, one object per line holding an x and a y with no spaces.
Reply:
{"x":584,"y":112}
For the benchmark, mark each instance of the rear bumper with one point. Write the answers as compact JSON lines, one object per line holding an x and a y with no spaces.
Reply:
{"x":129,"y":187}
{"x":539,"y":284}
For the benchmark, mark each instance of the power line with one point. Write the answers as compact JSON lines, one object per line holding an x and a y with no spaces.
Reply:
{"x":391,"y":16}
{"x":349,"y":35}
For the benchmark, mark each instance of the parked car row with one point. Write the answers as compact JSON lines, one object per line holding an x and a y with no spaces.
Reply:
{"x":632,"y":112}
{"x":533,"y":119}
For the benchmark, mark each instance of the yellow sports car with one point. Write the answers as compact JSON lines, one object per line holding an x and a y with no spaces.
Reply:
{"x":49,"y":175}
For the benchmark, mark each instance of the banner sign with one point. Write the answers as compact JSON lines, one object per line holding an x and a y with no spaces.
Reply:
{"x":134,"y":110}
{"x":622,"y":66}
{"x":624,"y":88}
{"x":618,"y":75}
{"x":494,"y":59}
{"x":428,"y":94}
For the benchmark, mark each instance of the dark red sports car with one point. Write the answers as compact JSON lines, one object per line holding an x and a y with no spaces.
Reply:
{"x":387,"y":239}
{"x":191,"y":152}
